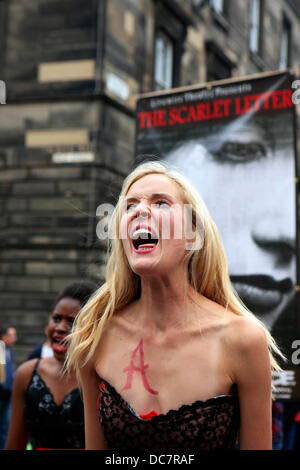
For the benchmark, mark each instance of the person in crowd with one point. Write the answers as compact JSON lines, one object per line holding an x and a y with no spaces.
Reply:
{"x":46,"y":404}
{"x":8,"y":336}
{"x":165,"y":350}
{"x":2,"y":362}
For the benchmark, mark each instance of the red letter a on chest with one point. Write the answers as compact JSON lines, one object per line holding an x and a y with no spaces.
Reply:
{"x":133,"y":368}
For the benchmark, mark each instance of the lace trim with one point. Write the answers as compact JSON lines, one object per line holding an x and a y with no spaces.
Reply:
{"x":214,"y":401}
{"x":41,"y":381}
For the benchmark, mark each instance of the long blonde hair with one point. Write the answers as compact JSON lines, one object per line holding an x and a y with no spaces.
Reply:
{"x":208,"y":275}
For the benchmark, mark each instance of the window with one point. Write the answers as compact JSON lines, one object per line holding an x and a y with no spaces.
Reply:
{"x":285,"y":45}
{"x":255,"y":26}
{"x":218,"y":5}
{"x":164,"y":60}
{"x":219,"y":66}
{"x":170,"y":28}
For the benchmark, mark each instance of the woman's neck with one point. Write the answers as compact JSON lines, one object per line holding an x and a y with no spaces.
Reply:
{"x":167,"y":302}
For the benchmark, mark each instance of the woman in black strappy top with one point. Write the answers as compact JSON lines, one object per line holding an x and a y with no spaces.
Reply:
{"x":47,"y":408}
{"x":167,"y":356}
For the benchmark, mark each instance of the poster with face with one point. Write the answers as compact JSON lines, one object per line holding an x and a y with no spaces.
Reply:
{"x":235,"y":141}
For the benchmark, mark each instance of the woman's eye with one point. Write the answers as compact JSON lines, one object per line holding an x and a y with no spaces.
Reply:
{"x":130,"y":207}
{"x":162,"y":203}
{"x":241,"y":152}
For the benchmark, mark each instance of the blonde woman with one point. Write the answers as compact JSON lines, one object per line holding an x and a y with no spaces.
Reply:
{"x":167,"y":356}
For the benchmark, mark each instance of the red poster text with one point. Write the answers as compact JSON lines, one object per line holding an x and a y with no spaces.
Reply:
{"x":215,"y":109}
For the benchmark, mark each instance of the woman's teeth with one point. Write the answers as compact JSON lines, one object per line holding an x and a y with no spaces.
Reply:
{"x":142,"y":233}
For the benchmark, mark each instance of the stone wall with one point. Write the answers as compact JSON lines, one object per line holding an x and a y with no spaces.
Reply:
{"x":73,"y":70}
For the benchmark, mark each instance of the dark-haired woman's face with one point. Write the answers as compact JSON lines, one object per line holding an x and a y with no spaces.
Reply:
{"x":60,"y":325}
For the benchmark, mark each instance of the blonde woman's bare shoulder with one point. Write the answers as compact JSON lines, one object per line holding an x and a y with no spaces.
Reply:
{"x":242,"y":335}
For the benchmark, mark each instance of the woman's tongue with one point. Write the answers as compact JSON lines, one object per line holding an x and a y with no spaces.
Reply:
{"x":59,"y":347}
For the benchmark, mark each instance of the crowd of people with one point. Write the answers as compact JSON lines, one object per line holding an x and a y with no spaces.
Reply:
{"x":163,"y":356}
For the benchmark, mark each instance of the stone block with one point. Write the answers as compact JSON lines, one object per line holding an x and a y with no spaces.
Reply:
{"x":5,"y":189}
{"x":24,"y":254}
{"x":57,"y":284}
{"x":16,"y":205}
{"x":30,"y":188}
{"x":4,"y":221}
{"x":74,"y":187}
{"x":57,"y":204}
{"x":32,"y":221}
{"x":56,"y":173}
{"x":10,"y":301}
{"x":34,"y":268}
{"x":39,"y":303}
{"x":29,"y":284}
{"x":14,"y":267}
{"x":12,"y":174}
{"x":17,"y":317}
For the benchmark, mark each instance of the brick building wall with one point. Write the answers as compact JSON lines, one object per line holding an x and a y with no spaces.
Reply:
{"x":72,"y":71}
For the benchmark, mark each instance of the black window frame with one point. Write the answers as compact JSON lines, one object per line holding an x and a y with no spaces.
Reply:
{"x":174,"y":27}
{"x":225,"y":8}
{"x":163,"y":33}
{"x":259,"y":51}
{"x":286,"y":25}
{"x":214,"y":52}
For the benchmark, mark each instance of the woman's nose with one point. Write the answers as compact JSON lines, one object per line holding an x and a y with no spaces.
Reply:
{"x":62,"y":326}
{"x":142,"y":210}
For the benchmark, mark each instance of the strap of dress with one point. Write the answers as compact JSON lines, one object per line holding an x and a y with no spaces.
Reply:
{"x":36,"y":365}
{"x":34,"y":371}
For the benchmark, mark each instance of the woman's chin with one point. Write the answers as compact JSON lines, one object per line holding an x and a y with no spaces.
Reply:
{"x":145,"y":268}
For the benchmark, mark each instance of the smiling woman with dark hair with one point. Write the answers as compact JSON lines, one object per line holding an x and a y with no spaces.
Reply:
{"x":46,"y":405}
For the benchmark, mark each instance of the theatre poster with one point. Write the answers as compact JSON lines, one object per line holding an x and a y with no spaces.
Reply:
{"x":235,"y":140}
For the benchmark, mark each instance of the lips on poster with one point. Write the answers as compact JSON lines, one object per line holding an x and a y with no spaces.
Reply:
{"x":235,"y":141}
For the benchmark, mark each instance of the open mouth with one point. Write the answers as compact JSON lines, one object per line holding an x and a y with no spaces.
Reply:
{"x":144,"y":240}
{"x":58,"y":345}
{"x":260,"y":293}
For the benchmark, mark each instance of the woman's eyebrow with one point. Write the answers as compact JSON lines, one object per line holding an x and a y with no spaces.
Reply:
{"x":166,"y":195}
{"x":131,"y":198}
{"x":153,"y":195}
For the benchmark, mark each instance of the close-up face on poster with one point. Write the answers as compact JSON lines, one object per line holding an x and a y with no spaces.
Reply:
{"x":235,"y":141}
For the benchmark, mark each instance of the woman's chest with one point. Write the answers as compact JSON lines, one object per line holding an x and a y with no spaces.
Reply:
{"x":152,"y":375}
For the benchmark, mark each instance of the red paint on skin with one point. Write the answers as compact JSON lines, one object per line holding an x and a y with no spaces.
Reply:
{"x":149,"y":416}
{"x":133,"y":368}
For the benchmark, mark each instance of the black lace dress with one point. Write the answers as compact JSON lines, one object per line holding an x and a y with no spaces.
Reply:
{"x":51,"y":426}
{"x":203,"y":425}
